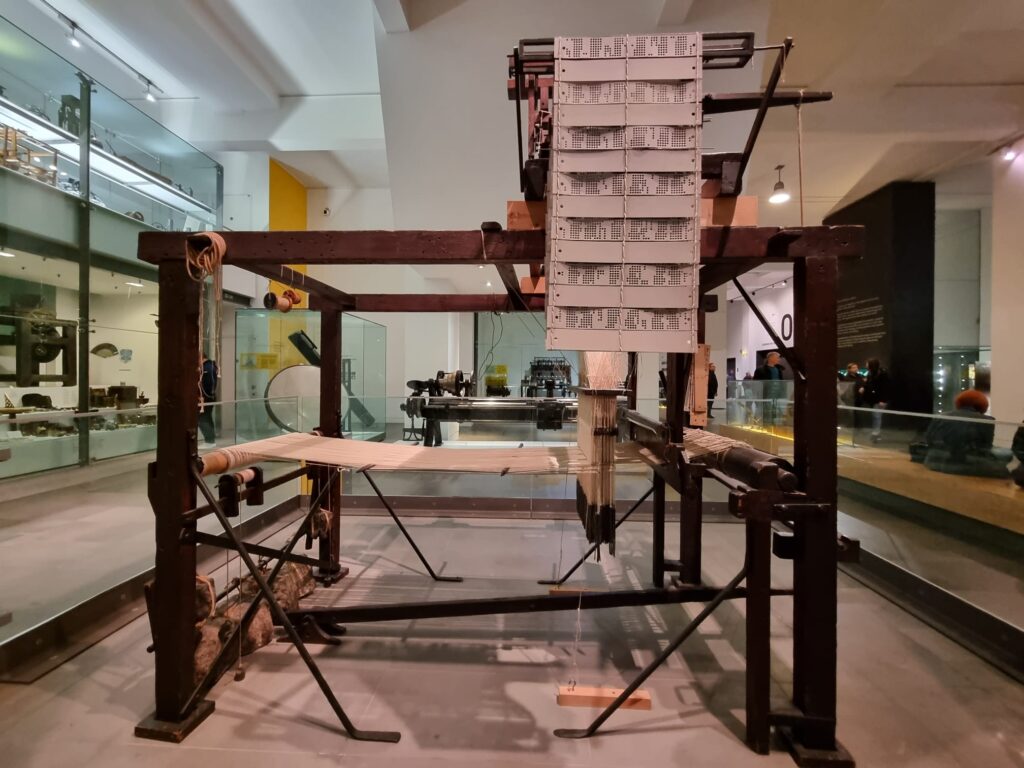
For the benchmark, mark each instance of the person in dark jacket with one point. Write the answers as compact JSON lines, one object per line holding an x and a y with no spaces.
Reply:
{"x":712,"y":388}
{"x":963,"y":445}
{"x":208,"y":385}
{"x":771,"y":370}
{"x":850,"y":381}
{"x":874,"y":394}
{"x":773,"y":391}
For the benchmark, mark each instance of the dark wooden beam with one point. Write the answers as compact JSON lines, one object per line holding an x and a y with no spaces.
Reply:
{"x":774,"y":244}
{"x":358,"y":247}
{"x":438,"y":302}
{"x":414,"y":247}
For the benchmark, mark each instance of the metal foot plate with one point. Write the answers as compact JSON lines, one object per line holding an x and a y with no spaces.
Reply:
{"x":173,"y":731}
{"x":806,"y":757}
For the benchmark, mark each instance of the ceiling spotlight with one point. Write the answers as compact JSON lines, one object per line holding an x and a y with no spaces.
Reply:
{"x":488,"y":283}
{"x":783,"y":282}
{"x":53,"y":166}
{"x":134,"y":284}
{"x":75,"y":42}
{"x":149,"y":92}
{"x":1009,"y":153}
{"x":779,"y":194}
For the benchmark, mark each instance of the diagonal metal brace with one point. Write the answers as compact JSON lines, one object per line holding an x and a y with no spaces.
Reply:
{"x":589,"y":552}
{"x":787,"y":352}
{"x":365,"y":471}
{"x":726,"y":591}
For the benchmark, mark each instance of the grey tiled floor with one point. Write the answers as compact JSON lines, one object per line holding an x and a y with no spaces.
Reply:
{"x":480,"y":691}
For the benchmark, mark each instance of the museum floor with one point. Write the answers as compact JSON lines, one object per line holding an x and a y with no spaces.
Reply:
{"x":481,"y":691}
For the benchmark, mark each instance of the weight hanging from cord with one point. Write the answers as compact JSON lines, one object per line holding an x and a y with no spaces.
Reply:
{"x":283,"y":302}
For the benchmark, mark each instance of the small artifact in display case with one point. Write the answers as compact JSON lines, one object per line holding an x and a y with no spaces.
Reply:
{"x":38,"y":338}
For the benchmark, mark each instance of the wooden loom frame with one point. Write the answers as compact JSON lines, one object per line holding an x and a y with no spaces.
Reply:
{"x":725,"y":253}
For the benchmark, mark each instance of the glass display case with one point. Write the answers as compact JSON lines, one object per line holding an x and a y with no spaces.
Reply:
{"x":39,"y":365}
{"x":513,"y":361}
{"x":277,"y":361}
{"x":137,"y":167}
{"x":59,"y":355}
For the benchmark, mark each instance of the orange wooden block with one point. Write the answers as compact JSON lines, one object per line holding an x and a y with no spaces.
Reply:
{"x":523,"y":214}
{"x":570,"y":589}
{"x":593,"y":696}
{"x":531,"y":285}
{"x":729,"y":211}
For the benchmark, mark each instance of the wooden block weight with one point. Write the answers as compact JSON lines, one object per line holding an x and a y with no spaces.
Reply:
{"x":597,"y":696}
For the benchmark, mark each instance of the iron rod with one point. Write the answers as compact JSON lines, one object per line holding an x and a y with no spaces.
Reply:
{"x":594,"y":547}
{"x":491,"y":606}
{"x":387,"y":505}
{"x":729,"y":590}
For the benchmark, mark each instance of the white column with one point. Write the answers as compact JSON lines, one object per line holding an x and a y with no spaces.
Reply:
{"x":716,"y":335}
{"x":1007,"y":307}
{"x":647,"y":367}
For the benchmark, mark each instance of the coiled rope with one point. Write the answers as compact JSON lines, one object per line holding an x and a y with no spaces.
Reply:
{"x":204,"y":256}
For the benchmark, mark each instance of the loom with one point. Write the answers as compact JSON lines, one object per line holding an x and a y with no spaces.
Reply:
{"x":765,"y":492}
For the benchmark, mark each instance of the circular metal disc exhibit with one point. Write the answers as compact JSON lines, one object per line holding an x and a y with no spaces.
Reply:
{"x":293,"y":398}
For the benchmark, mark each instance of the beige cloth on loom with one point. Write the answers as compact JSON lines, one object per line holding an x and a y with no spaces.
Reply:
{"x":413,"y":458}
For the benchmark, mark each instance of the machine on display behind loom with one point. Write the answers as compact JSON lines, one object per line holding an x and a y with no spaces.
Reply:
{"x":615,"y":186}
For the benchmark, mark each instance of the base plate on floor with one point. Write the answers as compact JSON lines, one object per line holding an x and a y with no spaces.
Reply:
{"x":815,"y":758}
{"x":173,"y":731}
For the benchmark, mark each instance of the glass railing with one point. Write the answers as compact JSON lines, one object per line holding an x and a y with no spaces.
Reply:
{"x":940,"y":495}
{"x":137,"y":167}
{"x":104,"y":506}
{"x":111,"y":495}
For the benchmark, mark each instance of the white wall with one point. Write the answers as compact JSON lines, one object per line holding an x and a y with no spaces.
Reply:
{"x":957,"y":278}
{"x":985,"y":280}
{"x":745,"y":333}
{"x":418,"y":345}
{"x":127,"y":322}
{"x":1007,"y":316}
{"x":449,"y":126}
{"x":246,"y":208}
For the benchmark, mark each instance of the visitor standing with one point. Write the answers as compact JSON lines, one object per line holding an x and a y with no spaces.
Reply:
{"x":712,"y":388}
{"x":874,"y":394}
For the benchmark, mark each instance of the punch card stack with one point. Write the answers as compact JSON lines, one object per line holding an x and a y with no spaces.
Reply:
{"x":623,"y":208}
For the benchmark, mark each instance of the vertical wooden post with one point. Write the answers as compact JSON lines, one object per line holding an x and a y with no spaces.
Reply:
{"x":330,"y":425}
{"x":658,"y":535}
{"x":814,"y":564}
{"x":171,"y":490}
{"x":678,"y":378}
{"x":758,"y":633}
{"x":690,"y":531}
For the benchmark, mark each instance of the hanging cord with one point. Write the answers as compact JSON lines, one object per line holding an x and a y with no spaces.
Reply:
{"x":576,"y":644}
{"x":800,"y":152}
{"x":201,"y":263}
{"x":239,"y":669}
